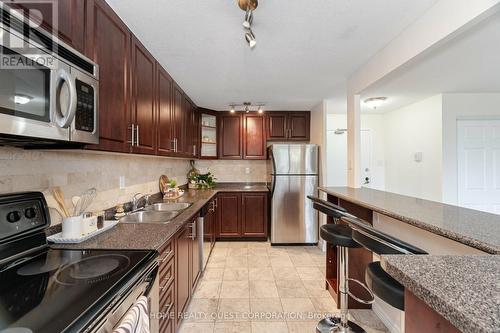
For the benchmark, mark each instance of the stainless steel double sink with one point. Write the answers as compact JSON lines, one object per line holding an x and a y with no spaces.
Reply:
{"x":162,"y":212}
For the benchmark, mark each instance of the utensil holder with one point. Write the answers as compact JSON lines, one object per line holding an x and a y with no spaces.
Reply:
{"x":72,"y":226}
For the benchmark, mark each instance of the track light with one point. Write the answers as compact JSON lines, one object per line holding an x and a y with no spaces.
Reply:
{"x":260,"y":110}
{"x":250,"y":38}
{"x":232,"y":109}
{"x":248,"y":19}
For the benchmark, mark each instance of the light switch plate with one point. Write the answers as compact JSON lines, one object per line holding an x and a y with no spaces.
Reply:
{"x":122,"y":182}
{"x":418,"y":157}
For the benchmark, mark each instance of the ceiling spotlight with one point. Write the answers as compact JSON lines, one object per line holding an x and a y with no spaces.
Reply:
{"x":232,"y":109}
{"x":250,"y":38}
{"x":260,"y":110}
{"x":248,"y":19}
{"x":247,"y":106}
{"x":375,"y":102}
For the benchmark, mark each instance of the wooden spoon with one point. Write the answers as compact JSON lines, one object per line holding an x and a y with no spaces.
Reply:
{"x":59,"y":197}
{"x":51,"y":203}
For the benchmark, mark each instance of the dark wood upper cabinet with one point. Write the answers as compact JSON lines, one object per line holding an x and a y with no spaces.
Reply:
{"x":63,"y":18}
{"x":299,"y":126}
{"x":254,"y":137}
{"x":187,"y":129}
{"x":254,"y":214}
{"x":230,"y":136}
{"x":108,"y":44}
{"x":288,"y":126}
{"x":276,"y":125}
{"x":164,"y":112}
{"x":177,"y":118}
{"x":195,"y":131}
{"x":143,"y":99}
{"x":229,"y":215}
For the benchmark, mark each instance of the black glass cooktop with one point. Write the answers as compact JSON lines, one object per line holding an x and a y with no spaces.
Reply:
{"x":51,"y":290}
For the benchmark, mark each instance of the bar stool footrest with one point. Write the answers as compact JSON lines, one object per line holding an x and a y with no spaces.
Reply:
{"x":365,"y":288}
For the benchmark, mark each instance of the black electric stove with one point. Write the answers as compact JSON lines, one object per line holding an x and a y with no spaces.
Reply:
{"x":48,"y":290}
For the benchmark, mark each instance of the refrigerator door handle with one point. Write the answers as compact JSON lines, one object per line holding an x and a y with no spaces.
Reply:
{"x":273,"y":184}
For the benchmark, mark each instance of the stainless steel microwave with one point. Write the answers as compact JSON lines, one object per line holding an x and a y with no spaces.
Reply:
{"x":48,"y":91}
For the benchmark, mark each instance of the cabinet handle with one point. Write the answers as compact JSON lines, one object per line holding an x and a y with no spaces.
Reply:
{"x":132,"y":137}
{"x":167,"y":308}
{"x":165,"y":257}
{"x":172,"y":145}
{"x":167,"y":284}
{"x":175,"y":145}
{"x":137,"y":135}
{"x":193,"y":230}
{"x":194,"y":150}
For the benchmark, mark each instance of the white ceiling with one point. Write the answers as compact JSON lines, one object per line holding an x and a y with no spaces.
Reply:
{"x":469,"y":63}
{"x":304,"y":48}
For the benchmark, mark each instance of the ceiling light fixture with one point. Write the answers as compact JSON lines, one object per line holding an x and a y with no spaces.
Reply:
{"x":250,"y":38}
{"x":375,"y":102}
{"x":249,"y":6}
{"x":247,"y":107}
{"x":22,"y":99}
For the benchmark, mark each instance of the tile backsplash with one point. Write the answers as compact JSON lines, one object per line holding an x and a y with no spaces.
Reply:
{"x":77,"y":170}
{"x":246,"y":171}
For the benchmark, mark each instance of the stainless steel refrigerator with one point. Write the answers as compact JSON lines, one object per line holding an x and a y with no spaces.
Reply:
{"x":293,"y":170}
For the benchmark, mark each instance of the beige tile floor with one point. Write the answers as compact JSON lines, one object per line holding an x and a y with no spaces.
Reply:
{"x":251,"y":287}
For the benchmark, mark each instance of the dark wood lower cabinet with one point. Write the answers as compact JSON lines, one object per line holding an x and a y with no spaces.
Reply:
{"x":254,"y":214}
{"x":229,"y":225}
{"x":166,"y":277}
{"x":242,"y":215}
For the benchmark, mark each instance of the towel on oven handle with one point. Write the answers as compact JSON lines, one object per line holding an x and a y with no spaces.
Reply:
{"x":136,"y":320}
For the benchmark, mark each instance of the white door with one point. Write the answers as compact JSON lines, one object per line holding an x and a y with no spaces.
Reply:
{"x":478,"y":150}
{"x":366,"y":158}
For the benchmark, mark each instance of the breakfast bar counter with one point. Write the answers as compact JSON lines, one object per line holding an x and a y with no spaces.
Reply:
{"x":464,"y":290}
{"x":473,"y":228}
{"x":454,"y":288}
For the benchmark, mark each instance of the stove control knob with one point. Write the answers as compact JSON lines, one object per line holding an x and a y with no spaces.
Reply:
{"x":30,"y":213}
{"x":14,"y":216}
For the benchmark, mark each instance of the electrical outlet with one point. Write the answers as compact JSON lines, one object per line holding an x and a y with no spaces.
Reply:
{"x":122,"y":182}
{"x":247,"y":171}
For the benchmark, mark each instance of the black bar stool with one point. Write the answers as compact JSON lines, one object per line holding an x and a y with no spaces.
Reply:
{"x":328,"y":208}
{"x":382,"y":284}
{"x":340,"y":235}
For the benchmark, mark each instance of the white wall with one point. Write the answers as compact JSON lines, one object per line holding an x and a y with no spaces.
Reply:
{"x":461,"y":106}
{"x":439,"y":24}
{"x":395,"y":137}
{"x":337,"y":149}
{"x":318,"y":136}
{"x":414,"y":128}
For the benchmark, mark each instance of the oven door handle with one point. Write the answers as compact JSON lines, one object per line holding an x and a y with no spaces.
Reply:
{"x":65,"y":120}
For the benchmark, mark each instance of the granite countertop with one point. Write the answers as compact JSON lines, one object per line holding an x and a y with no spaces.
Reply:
{"x":463,"y":289}
{"x":152,"y":236}
{"x":470,"y":227}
